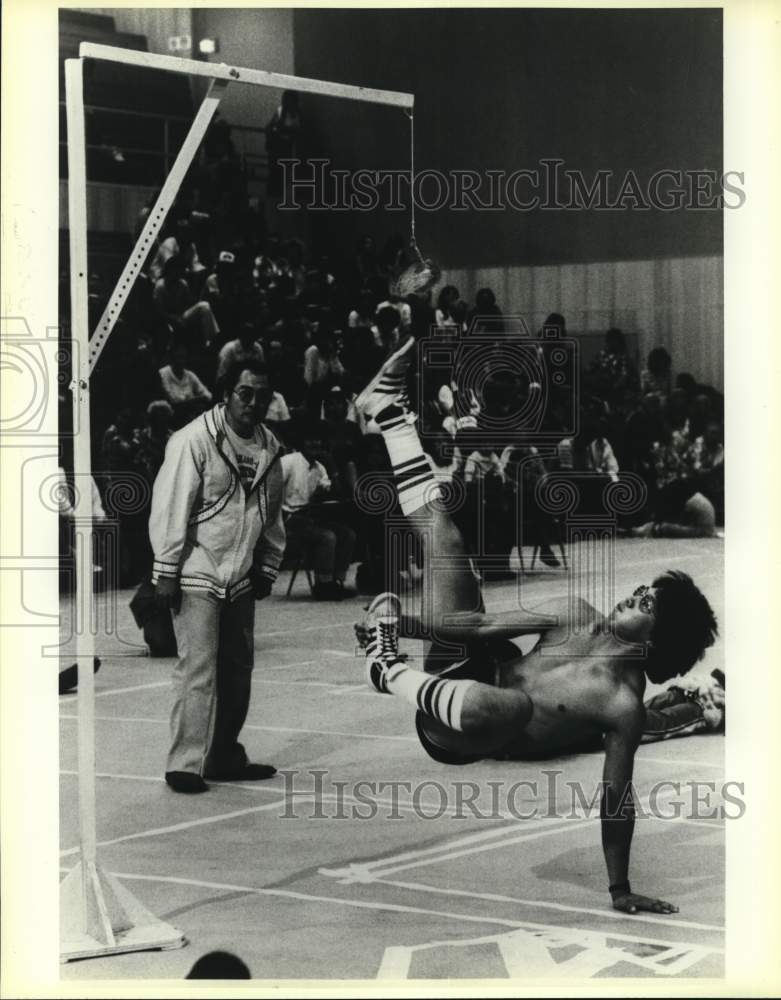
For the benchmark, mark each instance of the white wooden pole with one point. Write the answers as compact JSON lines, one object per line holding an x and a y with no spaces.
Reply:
{"x":220,"y":71}
{"x":97,"y":915}
{"x":156,"y":218}
{"x":82,"y":468}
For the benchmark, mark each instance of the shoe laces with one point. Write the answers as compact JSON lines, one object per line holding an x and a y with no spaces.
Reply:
{"x":388,"y":636}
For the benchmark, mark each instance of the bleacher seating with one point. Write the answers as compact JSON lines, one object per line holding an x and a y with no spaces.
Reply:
{"x":118,"y":89}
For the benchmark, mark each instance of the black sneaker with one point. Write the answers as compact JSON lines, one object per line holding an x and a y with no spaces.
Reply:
{"x":185,"y":782}
{"x":246,"y":772}
{"x":327,"y":592}
{"x":345,"y":591}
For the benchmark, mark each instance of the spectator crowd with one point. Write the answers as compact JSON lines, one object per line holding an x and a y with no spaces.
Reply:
{"x":218,"y":287}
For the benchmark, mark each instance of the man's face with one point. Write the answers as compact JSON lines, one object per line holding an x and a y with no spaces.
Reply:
{"x":634,"y":616}
{"x":247,"y":403}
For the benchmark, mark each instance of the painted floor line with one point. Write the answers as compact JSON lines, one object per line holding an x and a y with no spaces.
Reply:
{"x":136,"y":687}
{"x":468,"y":851}
{"x":564,"y":907}
{"x":161,"y":831}
{"x":474,"y":843}
{"x":268,"y":789}
{"x":261,"y":729}
{"x":374,"y":905}
{"x":299,"y":797}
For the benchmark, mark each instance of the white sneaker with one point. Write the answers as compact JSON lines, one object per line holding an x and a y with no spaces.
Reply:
{"x":388,"y":384}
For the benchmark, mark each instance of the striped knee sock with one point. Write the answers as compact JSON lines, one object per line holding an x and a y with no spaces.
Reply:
{"x":411,"y":469}
{"x":440,"y":698}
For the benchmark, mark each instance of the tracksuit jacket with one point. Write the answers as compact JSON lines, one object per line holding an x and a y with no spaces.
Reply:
{"x":204,"y":529}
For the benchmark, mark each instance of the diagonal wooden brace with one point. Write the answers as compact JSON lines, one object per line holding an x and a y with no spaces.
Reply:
{"x":156,"y":219}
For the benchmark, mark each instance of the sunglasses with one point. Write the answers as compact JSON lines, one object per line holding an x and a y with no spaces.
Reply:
{"x":247,"y":395}
{"x":647,"y":602}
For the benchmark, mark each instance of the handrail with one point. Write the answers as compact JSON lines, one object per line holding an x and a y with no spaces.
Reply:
{"x":161,"y":115}
{"x":165,"y":154}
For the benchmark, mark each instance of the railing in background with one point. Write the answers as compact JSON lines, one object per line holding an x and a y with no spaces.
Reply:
{"x":147,"y":154}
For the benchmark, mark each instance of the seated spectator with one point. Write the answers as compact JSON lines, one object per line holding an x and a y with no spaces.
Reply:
{"x":490,"y":536}
{"x":365,"y":262}
{"x":694,"y":517}
{"x":245,"y":347}
{"x":174,"y":302}
{"x":676,"y":415}
{"x":692,"y":388}
{"x":156,"y":624}
{"x":446,"y":301}
{"x":643,"y":426}
{"x":153,"y":438}
{"x":323,"y":369}
{"x":221,"y":290}
{"x":486,"y":317}
{"x":330,"y":542}
{"x":286,"y":377}
{"x":657,"y":375}
{"x":183,"y":389}
{"x":121,"y":445}
{"x":524,"y":469}
{"x":700,"y":415}
{"x":599,"y":454}
{"x":707,"y":463}
{"x":179,"y":244}
{"x":343,"y":439}
{"x":277,"y":412}
{"x":65,"y":496}
{"x":387,"y":328}
{"x":362,"y":314}
{"x":611,"y":375}
{"x":483,"y":462}
{"x":590,"y":452}
{"x":404,"y":309}
{"x":707,"y":451}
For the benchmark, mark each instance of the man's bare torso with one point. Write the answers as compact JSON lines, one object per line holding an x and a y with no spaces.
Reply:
{"x":570,"y":678}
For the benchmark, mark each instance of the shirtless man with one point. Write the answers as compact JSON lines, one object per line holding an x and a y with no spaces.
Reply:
{"x":585,"y":678}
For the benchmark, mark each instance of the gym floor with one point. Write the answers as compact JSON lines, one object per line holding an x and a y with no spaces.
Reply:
{"x":304,"y":879}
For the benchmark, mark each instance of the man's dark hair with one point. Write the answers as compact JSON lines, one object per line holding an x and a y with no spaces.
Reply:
{"x":659,"y":361}
{"x":685,"y":625}
{"x":219,"y":965}
{"x":615,"y":340}
{"x":389,"y":315}
{"x":233,"y":374}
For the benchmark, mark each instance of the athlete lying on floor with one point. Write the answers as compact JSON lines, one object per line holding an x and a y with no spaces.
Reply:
{"x":479,"y":696}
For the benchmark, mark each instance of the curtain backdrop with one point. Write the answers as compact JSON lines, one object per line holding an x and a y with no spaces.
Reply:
{"x":677,"y":303}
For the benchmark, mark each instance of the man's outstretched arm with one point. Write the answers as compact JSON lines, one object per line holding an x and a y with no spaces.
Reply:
{"x":618,"y":810}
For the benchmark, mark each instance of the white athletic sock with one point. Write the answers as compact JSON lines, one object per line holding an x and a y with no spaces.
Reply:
{"x":440,"y":698}
{"x":415,"y":482}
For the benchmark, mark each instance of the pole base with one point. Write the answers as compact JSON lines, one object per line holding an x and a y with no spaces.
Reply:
{"x":99,"y":916}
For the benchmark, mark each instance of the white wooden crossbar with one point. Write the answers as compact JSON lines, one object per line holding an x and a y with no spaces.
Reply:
{"x":259,"y":77}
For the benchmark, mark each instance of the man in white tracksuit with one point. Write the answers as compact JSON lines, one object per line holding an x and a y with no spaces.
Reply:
{"x":218,"y":539}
